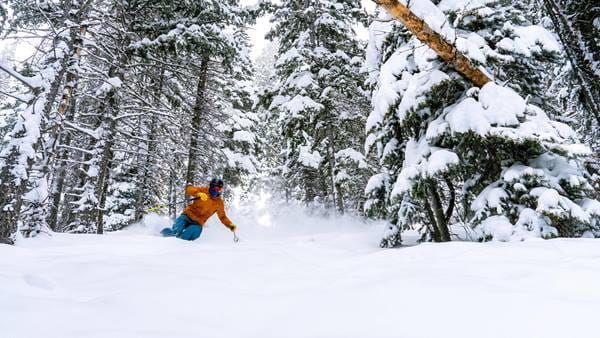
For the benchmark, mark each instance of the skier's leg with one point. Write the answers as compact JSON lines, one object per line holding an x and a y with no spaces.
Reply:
{"x":167,"y":232}
{"x":191,"y":233}
{"x":177,"y":228}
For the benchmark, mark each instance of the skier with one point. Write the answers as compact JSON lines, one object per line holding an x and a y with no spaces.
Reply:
{"x":206,"y":201}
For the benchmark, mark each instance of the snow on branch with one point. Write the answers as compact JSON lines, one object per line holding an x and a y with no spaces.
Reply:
{"x":29,"y":82}
{"x":429,"y":25}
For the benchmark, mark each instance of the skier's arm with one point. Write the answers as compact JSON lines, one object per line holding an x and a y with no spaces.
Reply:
{"x":223,"y":217}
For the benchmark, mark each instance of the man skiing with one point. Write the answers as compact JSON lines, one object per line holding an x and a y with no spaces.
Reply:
{"x":206,"y":201}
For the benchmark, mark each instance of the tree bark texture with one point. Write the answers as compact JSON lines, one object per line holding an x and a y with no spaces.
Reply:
{"x":72,"y":72}
{"x":438,"y":212}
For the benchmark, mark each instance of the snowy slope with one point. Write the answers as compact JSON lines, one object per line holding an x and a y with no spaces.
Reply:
{"x":295,"y":276}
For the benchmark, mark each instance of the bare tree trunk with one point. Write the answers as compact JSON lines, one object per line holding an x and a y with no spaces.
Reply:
{"x":197,"y":120}
{"x":452,"y":201}
{"x":438,"y":212}
{"x":445,"y":49}
{"x":72,"y":73}
{"x":340,"y":199}
{"x":331,"y":155}
{"x":172,"y":194}
{"x":438,"y":221}
{"x":102,"y":186}
{"x":433,"y":227}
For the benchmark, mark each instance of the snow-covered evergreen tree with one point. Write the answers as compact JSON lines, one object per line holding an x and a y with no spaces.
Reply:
{"x":577,"y":24}
{"x":576,"y":82}
{"x":317,"y":99}
{"x":241,"y":141}
{"x":24,"y":159}
{"x":147,"y":96}
{"x":126,"y":101}
{"x":515,"y":172}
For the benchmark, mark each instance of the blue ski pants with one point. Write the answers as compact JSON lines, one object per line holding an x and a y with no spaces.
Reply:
{"x":183,"y":228}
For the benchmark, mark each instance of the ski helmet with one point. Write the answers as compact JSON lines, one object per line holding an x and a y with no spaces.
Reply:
{"x":215,"y":187}
{"x":216,"y":182}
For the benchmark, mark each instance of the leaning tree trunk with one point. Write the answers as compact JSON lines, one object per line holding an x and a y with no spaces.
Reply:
{"x":445,"y":49}
{"x":199,"y":109}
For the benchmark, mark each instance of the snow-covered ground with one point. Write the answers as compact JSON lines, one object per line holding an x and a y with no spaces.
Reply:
{"x":295,"y":276}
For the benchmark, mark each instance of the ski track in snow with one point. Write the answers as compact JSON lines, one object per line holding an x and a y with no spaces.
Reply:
{"x":314,"y":277}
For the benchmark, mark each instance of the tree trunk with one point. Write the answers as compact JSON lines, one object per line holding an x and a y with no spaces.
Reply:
{"x":197,"y":120}
{"x":433,"y":227}
{"x":438,"y":212}
{"x":64,"y":139}
{"x":103,"y":180}
{"x":72,"y":73}
{"x":112,"y":111}
{"x":331,"y":160}
{"x":452,"y":201}
{"x":445,"y":49}
{"x":340,"y":199}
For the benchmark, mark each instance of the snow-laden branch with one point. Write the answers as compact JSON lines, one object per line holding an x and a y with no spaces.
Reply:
{"x":13,"y":96}
{"x":29,"y":82}
{"x":426,"y":23}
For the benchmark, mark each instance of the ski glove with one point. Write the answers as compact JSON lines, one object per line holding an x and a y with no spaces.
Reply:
{"x":232,"y":227}
{"x":202,"y":196}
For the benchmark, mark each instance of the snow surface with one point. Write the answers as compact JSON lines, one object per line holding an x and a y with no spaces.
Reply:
{"x":294,"y":275}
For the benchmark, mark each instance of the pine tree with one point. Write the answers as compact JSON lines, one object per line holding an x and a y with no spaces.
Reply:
{"x":241,"y":142}
{"x":317,"y":101}
{"x":440,"y":141}
{"x":126,"y":102}
{"x":576,"y":83}
{"x":23,"y":172}
{"x":576,"y":24}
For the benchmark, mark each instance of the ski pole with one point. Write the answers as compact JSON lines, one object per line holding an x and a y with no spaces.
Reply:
{"x":235,"y":238}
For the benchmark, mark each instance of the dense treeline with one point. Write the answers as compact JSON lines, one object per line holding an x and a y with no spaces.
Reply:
{"x":124,"y":102}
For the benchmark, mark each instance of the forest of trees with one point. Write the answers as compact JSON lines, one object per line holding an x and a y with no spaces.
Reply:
{"x":460,"y":119}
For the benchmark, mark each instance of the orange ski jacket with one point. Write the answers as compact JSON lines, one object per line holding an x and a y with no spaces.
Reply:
{"x":199,"y":211}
